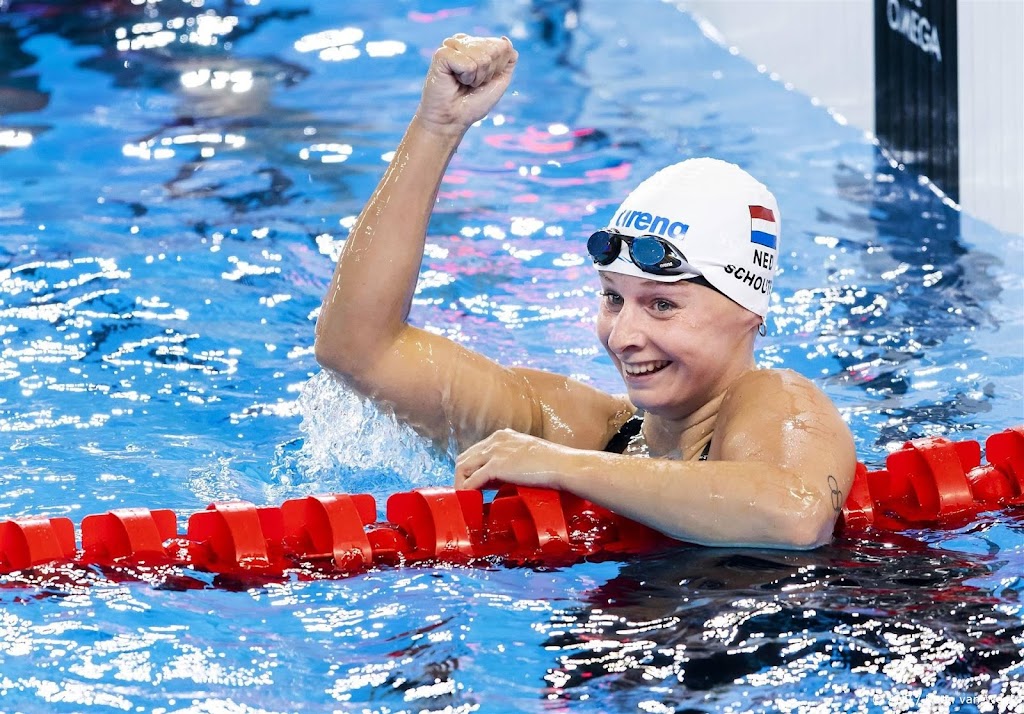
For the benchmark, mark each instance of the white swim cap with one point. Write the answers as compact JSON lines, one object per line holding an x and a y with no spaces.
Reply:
{"x":723,"y":221}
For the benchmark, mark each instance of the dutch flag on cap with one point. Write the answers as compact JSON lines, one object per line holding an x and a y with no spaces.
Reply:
{"x":763,"y":229}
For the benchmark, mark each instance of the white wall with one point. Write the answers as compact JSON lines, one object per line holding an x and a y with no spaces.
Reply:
{"x":825,"y":49}
{"x":991,"y":91}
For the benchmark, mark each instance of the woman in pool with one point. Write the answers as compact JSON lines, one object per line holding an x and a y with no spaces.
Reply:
{"x":726,"y":453}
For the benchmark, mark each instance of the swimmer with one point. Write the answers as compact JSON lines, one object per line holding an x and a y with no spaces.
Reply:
{"x":717,"y":450}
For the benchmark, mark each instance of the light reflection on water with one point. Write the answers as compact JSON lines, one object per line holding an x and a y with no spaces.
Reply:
{"x":169,"y":217}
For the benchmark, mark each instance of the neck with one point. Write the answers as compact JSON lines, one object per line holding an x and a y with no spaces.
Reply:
{"x":685,"y":436}
{"x":690,"y":433}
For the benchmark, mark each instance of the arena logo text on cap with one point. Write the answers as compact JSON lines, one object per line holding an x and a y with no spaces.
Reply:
{"x":662,"y":225}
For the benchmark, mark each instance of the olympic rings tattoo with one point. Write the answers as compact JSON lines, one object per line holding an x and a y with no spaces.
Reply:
{"x":837,"y":495}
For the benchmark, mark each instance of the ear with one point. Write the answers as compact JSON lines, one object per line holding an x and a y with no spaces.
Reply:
{"x":749,"y":320}
{"x":753,"y":324}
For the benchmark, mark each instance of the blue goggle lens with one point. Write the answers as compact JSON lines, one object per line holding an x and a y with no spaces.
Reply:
{"x":604,"y":247}
{"x":647,"y":252}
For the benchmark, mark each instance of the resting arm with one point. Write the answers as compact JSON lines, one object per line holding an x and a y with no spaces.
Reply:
{"x":782,"y":464}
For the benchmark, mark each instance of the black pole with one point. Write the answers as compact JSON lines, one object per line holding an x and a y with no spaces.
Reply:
{"x":916,"y":117}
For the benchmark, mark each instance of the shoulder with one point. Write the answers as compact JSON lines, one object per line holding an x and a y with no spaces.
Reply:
{"x":765,"y":386}
{"x":781,"y":416}
{"x":771,"y":376}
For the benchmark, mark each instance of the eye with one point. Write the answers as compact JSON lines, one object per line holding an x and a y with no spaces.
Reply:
{"x":663,"y":306}
{"x":611,"y":299}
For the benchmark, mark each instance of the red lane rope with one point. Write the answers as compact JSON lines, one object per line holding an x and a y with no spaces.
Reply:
{"x":936,"y":483}
{"x":928,"y":483}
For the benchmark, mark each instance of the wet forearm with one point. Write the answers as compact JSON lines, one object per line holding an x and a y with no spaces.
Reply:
{"x":369,"y":297}
{"x":711,"y":503}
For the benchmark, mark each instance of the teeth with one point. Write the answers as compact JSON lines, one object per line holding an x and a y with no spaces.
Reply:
{"x":643,"y":368}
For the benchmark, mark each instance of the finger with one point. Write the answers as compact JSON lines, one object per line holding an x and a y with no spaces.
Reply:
{"x":511,"y":53}
{"x":454,"y":39}
{"x":477,"y":479}
{"x":491,"y":55}
{"x":457,"y":64}
{"x":505,"y":61}
{"x":481,"y":480}
{"x":494,"y":47}
{"x":468,"y":463}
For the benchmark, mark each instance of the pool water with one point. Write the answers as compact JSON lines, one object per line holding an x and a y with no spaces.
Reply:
{"x":176,"y":180}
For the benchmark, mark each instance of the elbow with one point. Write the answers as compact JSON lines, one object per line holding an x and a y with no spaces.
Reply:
{"x":354,"y":357}
{"x":350,"y":337}
{"x":336,"y":355}
{"x":326,"y":357}
{"x":352,"y":346}
{"x":338,"y":359}
{"x":808,"y":526}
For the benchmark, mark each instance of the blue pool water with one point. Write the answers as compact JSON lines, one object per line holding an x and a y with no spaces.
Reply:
{"x":176,"y":179}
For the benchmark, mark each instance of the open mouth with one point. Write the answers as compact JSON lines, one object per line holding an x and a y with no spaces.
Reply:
{"x":642,"y":369}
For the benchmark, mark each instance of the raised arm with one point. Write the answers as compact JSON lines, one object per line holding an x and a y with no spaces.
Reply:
{"x":439,"y":387}
{"x":368,"y":302}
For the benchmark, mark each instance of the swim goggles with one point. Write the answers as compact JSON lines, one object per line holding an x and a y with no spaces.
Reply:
{"x":652,"y":254}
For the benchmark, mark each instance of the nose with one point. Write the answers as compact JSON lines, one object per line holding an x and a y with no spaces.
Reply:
{"x":625,"y":331}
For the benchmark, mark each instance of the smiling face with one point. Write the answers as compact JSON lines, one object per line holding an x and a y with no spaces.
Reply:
{"x":676,"y":345}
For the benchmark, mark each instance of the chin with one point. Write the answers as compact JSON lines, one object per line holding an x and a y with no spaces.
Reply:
{"x":665,"y":403}
{"x":645,"y":400}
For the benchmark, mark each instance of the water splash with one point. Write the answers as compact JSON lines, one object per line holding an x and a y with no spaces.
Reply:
{"x":353,"y":444}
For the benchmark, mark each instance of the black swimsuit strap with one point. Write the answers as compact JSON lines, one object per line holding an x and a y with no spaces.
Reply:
{"x":618,"y":443}
{"x":705,"y":452}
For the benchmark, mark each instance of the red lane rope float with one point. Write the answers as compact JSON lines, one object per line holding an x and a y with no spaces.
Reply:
{"x":934,"y":483}
{"x":928,"y":483}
